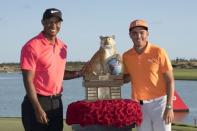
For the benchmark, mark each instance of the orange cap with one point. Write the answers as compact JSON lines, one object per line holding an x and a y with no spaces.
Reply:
{"x":136,"y":23}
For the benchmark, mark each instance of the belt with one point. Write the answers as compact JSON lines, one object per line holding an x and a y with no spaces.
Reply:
{"x":57,"y":96}
{"x":151,"y":100}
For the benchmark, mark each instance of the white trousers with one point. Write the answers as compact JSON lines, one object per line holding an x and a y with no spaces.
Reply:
{"x":153,"y":111}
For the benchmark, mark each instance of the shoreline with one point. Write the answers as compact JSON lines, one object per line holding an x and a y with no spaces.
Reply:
{"x":186,"y":77}
{"x":181,"y":70}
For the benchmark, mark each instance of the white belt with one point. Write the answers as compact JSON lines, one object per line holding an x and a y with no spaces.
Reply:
{"x":154,"y":99}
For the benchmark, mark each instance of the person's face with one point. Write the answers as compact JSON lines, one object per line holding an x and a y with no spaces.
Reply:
{"x":51,"y":26}
{"x":139,"y":36}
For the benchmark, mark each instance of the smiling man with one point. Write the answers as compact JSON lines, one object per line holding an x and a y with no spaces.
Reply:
{"x":149,"y":69}
{"x":43,"y":60}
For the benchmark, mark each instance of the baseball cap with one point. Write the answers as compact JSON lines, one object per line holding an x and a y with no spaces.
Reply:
{"x":138,"y":23}
{"x":52,"y":12}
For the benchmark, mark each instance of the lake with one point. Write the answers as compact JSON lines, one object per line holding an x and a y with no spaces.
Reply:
{"x":12,"y":93}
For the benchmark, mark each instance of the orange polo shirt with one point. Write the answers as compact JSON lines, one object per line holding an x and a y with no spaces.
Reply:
{"x":146,"y":71}
{"x":47,"y":61}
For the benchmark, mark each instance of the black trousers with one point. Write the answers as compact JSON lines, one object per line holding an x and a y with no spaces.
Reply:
{"x":53,"y":108}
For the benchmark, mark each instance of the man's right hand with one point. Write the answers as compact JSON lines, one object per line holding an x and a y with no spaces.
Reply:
{"x":41,"y":116}
{"x":126,"y":78}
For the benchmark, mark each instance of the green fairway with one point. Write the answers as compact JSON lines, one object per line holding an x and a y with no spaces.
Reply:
{"x":185,"y":74}
{"x":14,"y":124}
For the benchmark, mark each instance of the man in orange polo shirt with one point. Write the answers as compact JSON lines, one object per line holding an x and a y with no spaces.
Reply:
{"x":43,"y":61}
{"x":149,"y":69}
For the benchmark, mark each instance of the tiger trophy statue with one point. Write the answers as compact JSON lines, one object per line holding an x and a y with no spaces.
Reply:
{"x":105,"y":61}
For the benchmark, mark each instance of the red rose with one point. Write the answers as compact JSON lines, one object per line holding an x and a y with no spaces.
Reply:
{"x":119,"y":113}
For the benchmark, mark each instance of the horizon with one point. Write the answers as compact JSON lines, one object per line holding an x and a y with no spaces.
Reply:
{"x":176,"y":59}
{"x":83,"y":23}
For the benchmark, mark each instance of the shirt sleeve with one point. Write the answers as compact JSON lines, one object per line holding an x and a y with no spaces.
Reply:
{"x":124,"y":65}
{"x":165,"y":62}
{"x":28,"y":58}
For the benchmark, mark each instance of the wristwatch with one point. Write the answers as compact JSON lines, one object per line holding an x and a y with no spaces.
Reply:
{"x":168,"y":106}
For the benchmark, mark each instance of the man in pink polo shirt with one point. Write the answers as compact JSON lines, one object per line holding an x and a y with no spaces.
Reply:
{"x":43,"y":61}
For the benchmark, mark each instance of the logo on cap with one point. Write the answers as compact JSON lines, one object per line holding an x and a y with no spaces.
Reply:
{"x":138,"y":22}
{"x":54,"y":11}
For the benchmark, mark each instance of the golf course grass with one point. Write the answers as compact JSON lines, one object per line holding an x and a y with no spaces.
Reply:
{"x":14,"y":124}
{"x":185,"y":74}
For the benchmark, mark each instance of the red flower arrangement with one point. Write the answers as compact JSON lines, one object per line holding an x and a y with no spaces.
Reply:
{"x":118,"y":113}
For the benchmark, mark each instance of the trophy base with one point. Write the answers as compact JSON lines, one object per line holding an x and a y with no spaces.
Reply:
{"x":77,"y":127}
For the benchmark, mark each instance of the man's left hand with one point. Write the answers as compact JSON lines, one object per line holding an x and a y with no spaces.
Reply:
{"x":168,"y":116}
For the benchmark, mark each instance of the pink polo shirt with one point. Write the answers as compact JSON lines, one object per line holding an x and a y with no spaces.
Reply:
{"x":48,"y":61}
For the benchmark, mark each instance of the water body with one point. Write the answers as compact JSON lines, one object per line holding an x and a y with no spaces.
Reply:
{"x":12,"y":93}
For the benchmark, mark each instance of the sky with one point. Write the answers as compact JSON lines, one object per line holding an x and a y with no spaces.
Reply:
{"x":172,"y":25}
